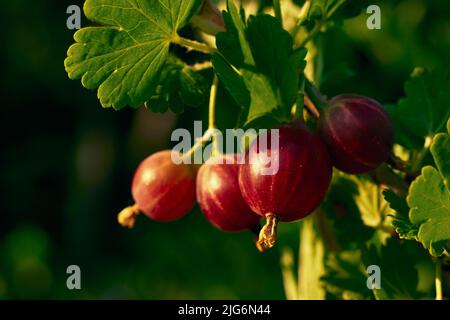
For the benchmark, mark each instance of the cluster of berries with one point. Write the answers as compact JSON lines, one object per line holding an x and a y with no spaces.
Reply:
{"x":354,"y":134}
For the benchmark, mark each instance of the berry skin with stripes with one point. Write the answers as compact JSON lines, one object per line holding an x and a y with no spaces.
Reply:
{"x":220,"y":198}
{"x":358,"y":133}
{"x":162,"y":190}
{"x":296,"y":188}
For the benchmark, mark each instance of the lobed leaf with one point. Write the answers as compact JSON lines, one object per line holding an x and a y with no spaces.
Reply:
{"x":429,"y":200}
{"x":124,"y":57}
{"x":258,"y":67}
{"x":424,"y":111}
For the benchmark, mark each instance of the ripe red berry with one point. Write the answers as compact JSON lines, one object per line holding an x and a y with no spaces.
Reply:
{"x":358,"y":132}
{"x":219,"y":196}
{"x":161,"y":189}
{"x":296,"y":189}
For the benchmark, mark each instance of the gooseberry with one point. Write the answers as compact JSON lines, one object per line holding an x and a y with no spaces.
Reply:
{"x":162,"y":190}
{"x":296,"y":188}
{"x":358,"y":133}
{"x":220,"y":198}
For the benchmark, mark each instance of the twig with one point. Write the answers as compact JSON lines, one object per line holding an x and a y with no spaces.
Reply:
{"x":192,"y":44}
{"x":277,"y":9}
{"x":438,"y":280}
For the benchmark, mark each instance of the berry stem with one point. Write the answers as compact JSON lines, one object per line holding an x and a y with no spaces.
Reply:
{"x":309,"y":105}
{"x":199,"y":144}
{"x":313,"y":33}
{"x":212,"y":103}
{"x":212,"y":114}
{"x":319,"y":24}
{"x":397,"y":163}
{"x":211,"y":132}
{"x":268,"y":234}
{"x":298,"y":108}
{"x":192,"y":44}
{"x":278,"y":12}
{"x":315,"y":102}
{"x":301,"y":18}
{"x":127,"y":217}
{"x":336,"y":6}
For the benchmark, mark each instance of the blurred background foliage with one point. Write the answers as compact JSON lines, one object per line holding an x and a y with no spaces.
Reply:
{"x":66,"y":164}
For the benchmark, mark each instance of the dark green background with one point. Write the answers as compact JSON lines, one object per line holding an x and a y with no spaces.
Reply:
{"x":66,"y":164}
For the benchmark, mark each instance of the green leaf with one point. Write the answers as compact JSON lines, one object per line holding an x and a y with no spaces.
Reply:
{"x":345,"y":276}
{"x":299,"y":58}
{"x":407,"y":272}
{"x":271,"y":47}
{"x":336,"y":75}
{"x":194,"y":88}
{"x":429,"y":200}
{"x":228,"y":43}
{"x":124,"y":57}
{"x":232,"y":81}
{"x":440,"y":149}
{"x":401,"y":222}
{"x":400,"y":263}
{"x":372,"y":206}
{"x":239,"y":27}
{"x":428,"y":220}
{"x":344,"y":214}
{"x":179,"y":86}
{"x":263,"y":100}
{"x":260,"y":57}
{"x":425,"y":109}
{"x":340,"y":9}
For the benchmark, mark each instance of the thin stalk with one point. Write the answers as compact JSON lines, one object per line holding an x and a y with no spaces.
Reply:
{"x":211,"y":132}
{"x":277,"y":9}
{"x":199,"y":144}
{"x":321,"y":23}
{"x":212,"y":103}
{"x":287,"y":271}
{"x":309,"y":105}
{"x":212,"y":113}
{"x":438,"y":280}
{"x":297,"y":109}
{"x":312,"y":34}
{"x":397,"y":163}
{"x":302,"y":17}
{"x":318,"y":102}
{"x":336,"y":6}
{"x":192,"y":44}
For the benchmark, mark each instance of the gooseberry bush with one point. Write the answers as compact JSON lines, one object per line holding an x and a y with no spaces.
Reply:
{"x":368,"y":182}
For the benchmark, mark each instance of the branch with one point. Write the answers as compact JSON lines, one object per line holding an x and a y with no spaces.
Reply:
{"x":192,"y":44}
{"x":277,"y":9}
